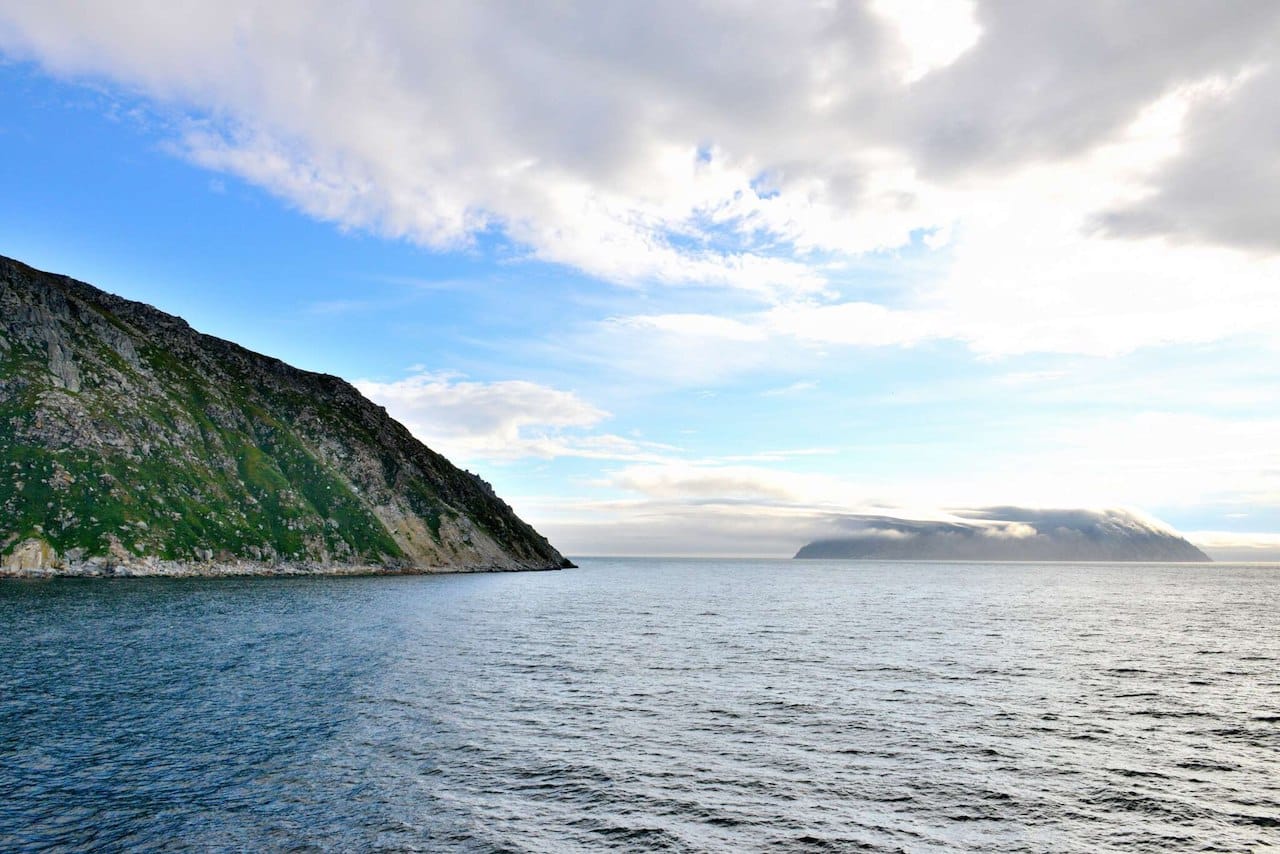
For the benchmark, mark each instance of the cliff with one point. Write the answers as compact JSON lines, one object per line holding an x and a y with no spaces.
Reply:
{"x":133,"y":445}
{"x":1008,"y":534}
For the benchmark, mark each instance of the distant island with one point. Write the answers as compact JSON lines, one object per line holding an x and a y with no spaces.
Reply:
{"x":131,"y":444}
{"x":1008,"y":534}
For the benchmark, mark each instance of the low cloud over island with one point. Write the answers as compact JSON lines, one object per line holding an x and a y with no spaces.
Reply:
{"x":1008,"y":533}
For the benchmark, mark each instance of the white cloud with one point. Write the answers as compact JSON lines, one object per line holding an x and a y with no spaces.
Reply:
{"x":588,"y":134}
{"x":677,"y":528}
{"x":696,"y":326}
{"x":861,"y":324}
{"x":1030,"y":274}
{"x":1167,"y":461}
{"x":1223,"y":184}
{"x":794,"y":388}
{"x":1164,"y":461}
{"x":500,"y":421}
{"x":697,"y":514}
{"x":714,"y":482}
{"x":935,"y":34}
{"x":726,"y":144}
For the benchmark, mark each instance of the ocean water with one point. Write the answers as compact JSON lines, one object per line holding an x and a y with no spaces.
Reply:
{"x":648,"y":705}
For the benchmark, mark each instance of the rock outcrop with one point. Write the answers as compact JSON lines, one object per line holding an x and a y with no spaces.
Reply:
{"x":131,"y":444}
{"x":1008,"y":534}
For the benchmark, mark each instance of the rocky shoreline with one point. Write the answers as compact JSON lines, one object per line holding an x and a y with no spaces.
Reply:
{"x":35,"y":559}
{"x":170,"y":569}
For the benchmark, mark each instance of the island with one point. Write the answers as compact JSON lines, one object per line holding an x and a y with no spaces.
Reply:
{"x":1007,"y":534}
{"x":133,"y":445}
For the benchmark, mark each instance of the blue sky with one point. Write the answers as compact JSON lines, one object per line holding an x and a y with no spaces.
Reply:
{"x":673,"y":299}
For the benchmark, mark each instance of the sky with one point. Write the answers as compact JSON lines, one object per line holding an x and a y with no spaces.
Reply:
{"x":702,"y":277}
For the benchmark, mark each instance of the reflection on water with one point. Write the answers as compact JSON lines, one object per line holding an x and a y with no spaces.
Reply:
{"x":648,"y":705}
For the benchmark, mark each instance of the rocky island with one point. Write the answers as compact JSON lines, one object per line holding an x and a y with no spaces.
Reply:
{"x":1008,"y":534}
{"x":133,"y":445}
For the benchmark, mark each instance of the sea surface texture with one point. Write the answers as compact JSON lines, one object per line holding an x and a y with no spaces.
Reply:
{"x":648,"y":705}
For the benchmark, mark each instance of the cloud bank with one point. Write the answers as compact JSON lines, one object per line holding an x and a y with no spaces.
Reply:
{"x":1096,"y":170}
{"x":1008,"y":534}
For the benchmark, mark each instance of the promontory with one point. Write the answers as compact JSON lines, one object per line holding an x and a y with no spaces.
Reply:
{"x":133,"y":445}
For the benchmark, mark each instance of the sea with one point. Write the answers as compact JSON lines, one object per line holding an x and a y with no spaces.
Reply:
{"x":648,"y":705}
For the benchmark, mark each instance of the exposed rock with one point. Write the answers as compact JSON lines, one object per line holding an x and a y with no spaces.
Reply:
{"x":131,"y":444}
{"x":31,"y":557}
{"x":62,"y":365}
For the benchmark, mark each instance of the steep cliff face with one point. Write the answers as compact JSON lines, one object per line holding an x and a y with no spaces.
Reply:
{"x":132,"y":444}
{"x":1008,"y":534}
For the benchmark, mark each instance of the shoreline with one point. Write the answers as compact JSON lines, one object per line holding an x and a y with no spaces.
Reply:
{"x":248,"y":569}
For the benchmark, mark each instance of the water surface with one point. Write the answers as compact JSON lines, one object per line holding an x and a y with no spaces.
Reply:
{"x":648,"y":705}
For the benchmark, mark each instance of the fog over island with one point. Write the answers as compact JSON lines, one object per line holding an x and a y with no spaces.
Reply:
{"x":1009,"y":534}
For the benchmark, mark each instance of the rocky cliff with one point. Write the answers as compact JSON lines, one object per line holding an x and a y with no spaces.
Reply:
{"x":133,"y":445}
{"x":1008,"y":534}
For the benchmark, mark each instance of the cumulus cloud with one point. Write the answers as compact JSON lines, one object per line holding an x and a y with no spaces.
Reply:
{"x":1223,"y":187}
{"x":735,"y":145}
{"x":1051,"y":80}
{"x":1027,"y":273}
{"x":500,"y":420}
{"x":610,"y":139}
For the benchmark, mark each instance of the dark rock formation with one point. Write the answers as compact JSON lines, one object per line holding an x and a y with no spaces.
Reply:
{"x":1008,"y":534}
{"x":132,"y":444}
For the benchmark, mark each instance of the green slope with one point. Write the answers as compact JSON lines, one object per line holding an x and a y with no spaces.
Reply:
{"x":124,"y":432}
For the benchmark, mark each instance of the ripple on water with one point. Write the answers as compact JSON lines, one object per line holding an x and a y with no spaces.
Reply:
{"x":648,"y":706}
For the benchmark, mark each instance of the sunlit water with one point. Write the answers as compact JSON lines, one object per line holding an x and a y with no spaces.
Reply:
{"x":648,"y":705}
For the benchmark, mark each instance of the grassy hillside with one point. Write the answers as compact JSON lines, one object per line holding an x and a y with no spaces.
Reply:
{"x":125,"y":434}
